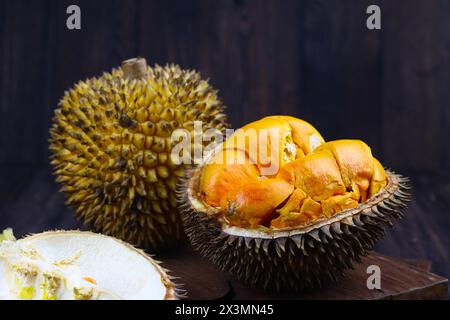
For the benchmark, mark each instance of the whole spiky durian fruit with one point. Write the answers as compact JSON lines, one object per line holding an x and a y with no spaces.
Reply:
{"x":111,"y":148}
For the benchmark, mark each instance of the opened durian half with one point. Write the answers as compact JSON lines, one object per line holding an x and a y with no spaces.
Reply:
{"x":320,"y":207}
{"x":74,"y":265}
{"x":111,"y":143}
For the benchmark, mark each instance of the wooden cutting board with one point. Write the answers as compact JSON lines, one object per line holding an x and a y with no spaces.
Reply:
{"x":400,"y":279}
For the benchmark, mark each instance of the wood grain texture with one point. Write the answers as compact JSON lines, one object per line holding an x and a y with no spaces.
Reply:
{"x":30,"y":203}
{"x":412,"y":73}
{"x":423,"y":234}
{"x":312,"y":58}
{"x":399,"y":280}
{"x":199,"y":278}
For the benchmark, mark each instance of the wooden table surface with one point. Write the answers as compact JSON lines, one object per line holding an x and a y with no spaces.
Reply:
{"x":399,"y":280}
{"x":30,"y":203}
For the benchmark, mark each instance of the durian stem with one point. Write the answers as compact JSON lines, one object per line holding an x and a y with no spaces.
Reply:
{"x":135,"y":68}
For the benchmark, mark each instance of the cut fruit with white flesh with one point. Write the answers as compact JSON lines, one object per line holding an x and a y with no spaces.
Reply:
{"x":75,"y":265}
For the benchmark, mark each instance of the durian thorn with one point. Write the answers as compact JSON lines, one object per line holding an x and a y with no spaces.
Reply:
{"x":135,"y":68}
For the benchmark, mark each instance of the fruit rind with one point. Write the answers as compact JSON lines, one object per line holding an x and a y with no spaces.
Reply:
{"x":55,"y":275}
{"x":174,"y":291}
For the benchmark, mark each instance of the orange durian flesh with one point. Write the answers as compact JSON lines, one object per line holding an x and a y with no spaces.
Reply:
{"x":268,"y":140}
{"x":379,"y":178}
{"x":252,"y":204}
{"x":294,"y":202}
{"x":228,"y":170}
{"x":311,"y":208}
{"x":303,"y":133}
{"x":298,"y":210}
{"x":338,"y":203}
{"x":312,"y":179}
{"x":317,"y":174}
{"x":355,"y":162}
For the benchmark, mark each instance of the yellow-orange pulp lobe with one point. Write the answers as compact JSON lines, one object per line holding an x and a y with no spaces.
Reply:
{"x":278,"y":172}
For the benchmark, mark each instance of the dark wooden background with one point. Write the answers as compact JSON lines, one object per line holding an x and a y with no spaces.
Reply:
{"x":311,"y":59}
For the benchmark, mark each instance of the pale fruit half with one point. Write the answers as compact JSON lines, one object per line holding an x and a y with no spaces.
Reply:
{"x":75,"y":265}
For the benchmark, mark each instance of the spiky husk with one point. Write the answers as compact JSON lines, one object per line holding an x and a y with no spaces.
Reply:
{"x":110,"y":145}
{"x":296,"y":259}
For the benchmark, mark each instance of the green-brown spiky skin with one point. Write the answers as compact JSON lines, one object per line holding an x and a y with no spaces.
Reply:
{"x":297,"y":259}
{"x":111,"y":143}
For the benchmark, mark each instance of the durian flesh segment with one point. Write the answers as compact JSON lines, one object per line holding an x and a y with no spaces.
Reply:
{"x":279,"y":140}
{"x":304,"y":135}
{"x":355,"y":162}
{"x":76,"y":266}
{"x":229,"y":170}
{"x":379,"y":179}
{"x":334,"y":176}
{"x":7,"y":234}
{"x":29,"y":276}
{"x":253,"y":204}
{"x":299,"y":210}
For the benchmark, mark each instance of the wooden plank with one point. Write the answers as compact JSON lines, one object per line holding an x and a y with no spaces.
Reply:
{"x":412,"y":93}
{"x":339,"y":71}
{"x":34,"y":205}
{"x":107,"y":36}
{"x":423,"y":233}
{"x":444,"y":76}
{"x":421,"y":264}
{"x":198,"y":277}
{"x":236,"y":44}
{"x":313,"y":59}
{"x":40,"y":59}
{"x":22,"y":72}
{"x":30,"y":202}
{"x":399,"y":280}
